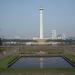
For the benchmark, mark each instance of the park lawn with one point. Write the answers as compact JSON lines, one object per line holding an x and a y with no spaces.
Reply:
{"x":4,"y":61}
{"x":38,"y":70}
{"x":2,"y":49}
{"x":70,"y":56}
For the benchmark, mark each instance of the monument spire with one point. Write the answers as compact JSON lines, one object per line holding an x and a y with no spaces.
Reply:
{"x":41,"y":22}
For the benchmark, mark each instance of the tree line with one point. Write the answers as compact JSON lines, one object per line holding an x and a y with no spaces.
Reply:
{"x":0,"y":41}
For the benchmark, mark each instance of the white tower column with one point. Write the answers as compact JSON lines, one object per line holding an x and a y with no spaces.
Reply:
{"x":41,"y":23}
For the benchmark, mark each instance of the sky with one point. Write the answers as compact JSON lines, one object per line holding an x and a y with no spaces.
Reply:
{"x":22,"y":17}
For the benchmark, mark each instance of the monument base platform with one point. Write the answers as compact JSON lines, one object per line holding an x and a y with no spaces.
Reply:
{"x":41,"y":42}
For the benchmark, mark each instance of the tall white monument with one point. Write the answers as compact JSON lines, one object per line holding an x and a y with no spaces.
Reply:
{"x":41,"y":23}
{"x":41,"y":40}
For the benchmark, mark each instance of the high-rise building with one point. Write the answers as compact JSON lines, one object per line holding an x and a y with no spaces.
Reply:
{"x":59,"y":36}
{"x":63,"y":36}
{"x":54,"y":34}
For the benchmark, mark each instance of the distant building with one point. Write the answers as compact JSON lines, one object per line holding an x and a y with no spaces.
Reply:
{"x":16,"y":37}
{"x":35,"y":38}
{"x":63,"y":36}
{"x":59,"y":36}
{"x":54,"y":34}
{"x":71,"y":37}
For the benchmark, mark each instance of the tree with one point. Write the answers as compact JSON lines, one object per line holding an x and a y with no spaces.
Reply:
{"x":0,"y":42}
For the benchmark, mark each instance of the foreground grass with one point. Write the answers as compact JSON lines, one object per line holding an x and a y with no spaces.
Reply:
{"x":69,"y":56}
{"x":4,"y":62}
{"x":2,"y":49}
{"x":37,"y":70}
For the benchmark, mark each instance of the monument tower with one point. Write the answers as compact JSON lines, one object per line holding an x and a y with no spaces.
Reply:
{"x":41,"y":40}
{"x":41,"y":23}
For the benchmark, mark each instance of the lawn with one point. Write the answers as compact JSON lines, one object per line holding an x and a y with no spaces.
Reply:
{"x":4,"y":62}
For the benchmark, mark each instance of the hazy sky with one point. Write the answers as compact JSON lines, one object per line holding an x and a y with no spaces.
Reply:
{"x":21,"y":17}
